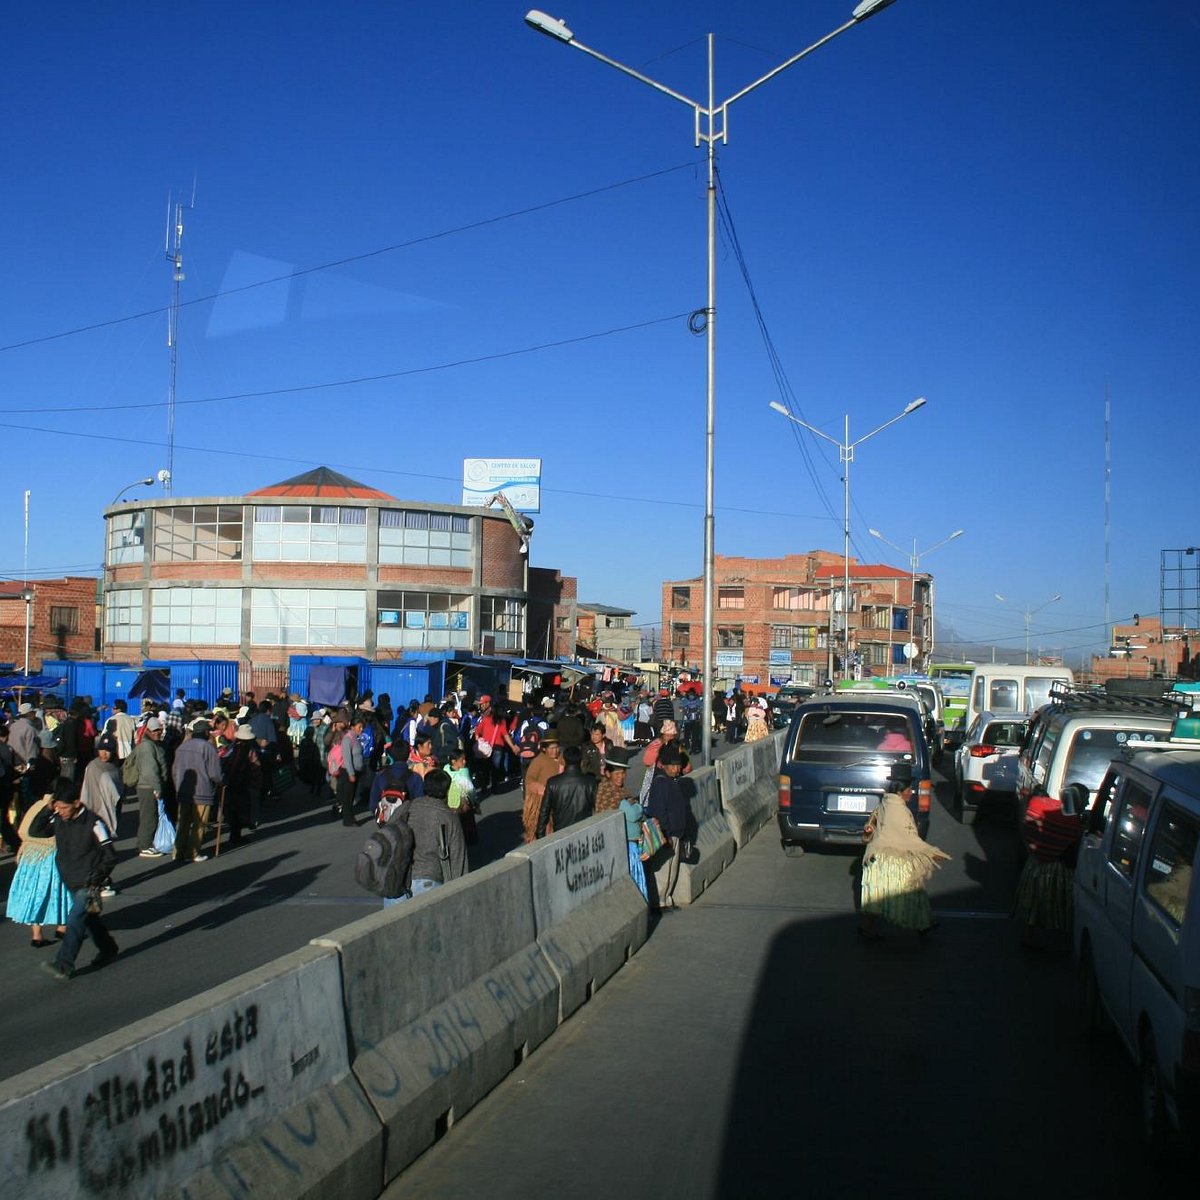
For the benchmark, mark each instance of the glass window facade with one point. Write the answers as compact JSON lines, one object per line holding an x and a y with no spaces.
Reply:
{"x":205,"y":616}
{"x":198,"y":533}
{"x":123,"y":616}
{"x":310,"y":533}
{"x":424,"y":539}
{"x":424,"y":620}
{"x":503,"y":621}
{"x":126,"y":538}
{"x":307,"y":617}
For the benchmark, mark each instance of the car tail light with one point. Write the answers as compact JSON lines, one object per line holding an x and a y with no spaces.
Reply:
{"x":925,"y":795}
{"x":982,"y":751}
{"x":785,"y":792}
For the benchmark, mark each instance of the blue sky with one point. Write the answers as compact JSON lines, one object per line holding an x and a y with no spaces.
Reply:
{"x":993,"y":206}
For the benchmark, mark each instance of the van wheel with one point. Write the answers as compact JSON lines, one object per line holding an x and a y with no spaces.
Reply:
{"x":1155,"y":1129}
{"x":792,"y":849}
{"x":1091,"y":1011}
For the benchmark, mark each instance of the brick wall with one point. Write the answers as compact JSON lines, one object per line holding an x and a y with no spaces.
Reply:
{"x":73,"y":635}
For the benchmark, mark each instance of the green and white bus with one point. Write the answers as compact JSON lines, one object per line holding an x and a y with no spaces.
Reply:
{"x":955,"y":682}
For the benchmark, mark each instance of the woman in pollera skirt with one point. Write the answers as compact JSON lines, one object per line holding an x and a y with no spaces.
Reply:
{"x":897,"y":864}
{"x":37,"y":895}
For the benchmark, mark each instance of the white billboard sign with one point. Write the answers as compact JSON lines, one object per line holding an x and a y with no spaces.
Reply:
{"x":520,"y":479}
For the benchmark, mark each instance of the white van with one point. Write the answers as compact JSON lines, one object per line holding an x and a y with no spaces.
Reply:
{"x":1004,"y":690}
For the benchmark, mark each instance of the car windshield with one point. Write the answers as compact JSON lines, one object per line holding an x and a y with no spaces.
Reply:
{"x":852,"y":734}
{"x":1094,"y":749}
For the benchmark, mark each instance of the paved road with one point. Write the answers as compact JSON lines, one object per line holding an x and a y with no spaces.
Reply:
{"x":757,"y":1047}
{"x":185,"y":928}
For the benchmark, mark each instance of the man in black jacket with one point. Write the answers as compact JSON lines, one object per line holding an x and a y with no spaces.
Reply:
{"x":85,"y":857}
{"x":569,"y":797}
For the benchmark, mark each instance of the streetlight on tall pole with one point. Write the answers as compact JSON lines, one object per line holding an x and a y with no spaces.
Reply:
{"x":846,"y":457}
{"x":914,"y":560}
{"x":711,"y":126}
{"x":1028,"y":615}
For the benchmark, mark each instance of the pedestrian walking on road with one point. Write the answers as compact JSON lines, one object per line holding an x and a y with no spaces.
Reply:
{"x":1045,"y":888}
{"x":543,"y":768}
{"x":440,"y":852}
{"x":37,"y":896}
{"x":151,"y":766}
{"x":569,"y":797}
{"x":198,"y":780}
{"x":85,"y":856}
{"x":897,"y":864}
{"x":669,"y":805}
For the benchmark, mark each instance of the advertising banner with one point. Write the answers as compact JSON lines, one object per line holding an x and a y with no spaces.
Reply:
{"x":520,"y":479}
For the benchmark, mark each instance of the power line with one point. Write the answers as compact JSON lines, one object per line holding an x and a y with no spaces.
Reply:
{"x":299,"y":272}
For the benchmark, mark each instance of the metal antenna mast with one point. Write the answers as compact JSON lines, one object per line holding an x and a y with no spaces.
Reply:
{"x":174,"y":253}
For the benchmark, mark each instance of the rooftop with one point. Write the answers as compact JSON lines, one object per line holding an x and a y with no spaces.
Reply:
{"x":322,"y":484}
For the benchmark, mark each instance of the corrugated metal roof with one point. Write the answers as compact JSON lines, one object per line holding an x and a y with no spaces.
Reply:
{"x":324,"y":484}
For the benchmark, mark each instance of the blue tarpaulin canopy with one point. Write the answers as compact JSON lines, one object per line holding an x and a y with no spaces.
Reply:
{"x":30,"y":683}
{"x":154,"y":684}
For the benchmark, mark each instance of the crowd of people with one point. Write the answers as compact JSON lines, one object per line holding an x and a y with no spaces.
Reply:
{"x":203,"y":771}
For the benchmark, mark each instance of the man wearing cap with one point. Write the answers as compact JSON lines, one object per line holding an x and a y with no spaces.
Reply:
{"x":196,"y":773}
{"x":23,"y":739}
{"x":544,"y":767}
{"x":151,"y":765}
{"x":102,"y":789}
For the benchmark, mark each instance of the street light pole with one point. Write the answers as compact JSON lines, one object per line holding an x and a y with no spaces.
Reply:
{"x":27,"y":596}
{"x":914,"y":560}
{"x":846,"y":457}
{"x":711,"y":125}
{"x":1028,"y":615}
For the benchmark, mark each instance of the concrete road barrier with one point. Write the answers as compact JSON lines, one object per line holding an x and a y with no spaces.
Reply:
{"x":714,"y":841}
{"x":444,"y":995}
{"x":735,"y":777}
{"x":590,"y":915}
{"x":243,"y":1090}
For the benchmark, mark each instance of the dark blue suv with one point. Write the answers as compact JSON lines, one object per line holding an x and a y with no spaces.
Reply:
{"x":836,"y":759}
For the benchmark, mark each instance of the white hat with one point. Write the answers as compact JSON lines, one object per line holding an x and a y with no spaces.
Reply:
{"x":243,"y":712}
{"x":24,"y":709}
{"x":244,"y":733}
{"x":153,"y":725}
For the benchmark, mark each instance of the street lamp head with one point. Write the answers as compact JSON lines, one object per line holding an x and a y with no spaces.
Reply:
{"x":554,"y":27}
{"x":780,"y":408}
{"x":1002,"y":599}
{"x":27,"y":595}
{"x":956,"y":533}
{"x":917,"y":403}
{"x":875,"y":533}
{"x":868,"y":8}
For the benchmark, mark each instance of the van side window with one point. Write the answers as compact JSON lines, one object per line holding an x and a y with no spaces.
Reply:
{"x":1172,"y":857}
{"x":1129,"y":828}
{"x":1004,"y":695}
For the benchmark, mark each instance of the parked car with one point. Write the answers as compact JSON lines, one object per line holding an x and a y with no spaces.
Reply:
{"x":837,"y":755}
{"x":1137,"y":927}
{"x":1074,"y":738}
{"x":985,"y":765}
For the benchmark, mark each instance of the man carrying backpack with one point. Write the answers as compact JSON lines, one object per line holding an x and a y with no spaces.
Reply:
{"x":384,"y":864}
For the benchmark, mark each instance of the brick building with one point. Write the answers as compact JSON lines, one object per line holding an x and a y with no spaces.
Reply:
{"x":552,"y":613}
{"x":1145,"y":650}
{"x":317,"y":564}
{"x":776,"y":619}
{"x":62,"y":620}
{"x":604,"y":631}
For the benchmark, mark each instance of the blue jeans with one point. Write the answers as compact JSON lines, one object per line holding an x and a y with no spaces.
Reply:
{"x":416,"y":887}
{"x":81,"y":924}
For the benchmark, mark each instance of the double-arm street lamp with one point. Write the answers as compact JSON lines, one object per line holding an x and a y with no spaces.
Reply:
{"x":914,"y":560}
{"x":711,"y":127}
{"x":1028,"y":614}
{"x":846,"y":457}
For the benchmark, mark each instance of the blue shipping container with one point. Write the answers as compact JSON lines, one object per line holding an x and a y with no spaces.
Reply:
{"x":298,"y":665}
{"x":412,"y":681}
{"x":199,"y":679}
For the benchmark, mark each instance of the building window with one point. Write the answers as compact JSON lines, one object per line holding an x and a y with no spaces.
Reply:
{"x":900,"y":619}
{"x":793,"y":637}
{"x":502,"y":622}
{"x":123,"y":615}
{"x":198,"y":533}
{"x":562,"y":623}
{"x":126,"y":538}
{"x":424,"y":620}
{"x":731,"y":637}
{"x":424,"y":539}
{"x":876,"y":654}
{"x":202,"y":616}
{"x":309,"y":533}
{"x":792,"y":598}
{"x":681,"y":597}
{"x":681,"y":633}
{"x":307,"y":617}
{"x":616,"y":622}
{"x":64,"y":620}
{"x":731,"y":597}
{"x":630,"y":654}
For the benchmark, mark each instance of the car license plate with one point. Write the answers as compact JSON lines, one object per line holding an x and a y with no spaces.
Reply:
{"x":844,"y":803}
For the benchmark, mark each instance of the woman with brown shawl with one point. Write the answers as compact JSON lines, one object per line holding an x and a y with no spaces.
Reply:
{"x":543,"y":768}
{"x":897,"y":864}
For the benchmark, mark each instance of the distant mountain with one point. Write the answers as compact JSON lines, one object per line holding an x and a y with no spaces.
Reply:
{"x":949,"y":646}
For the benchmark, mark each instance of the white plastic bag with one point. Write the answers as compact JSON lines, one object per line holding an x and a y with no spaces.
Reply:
{"x":164,"y":835}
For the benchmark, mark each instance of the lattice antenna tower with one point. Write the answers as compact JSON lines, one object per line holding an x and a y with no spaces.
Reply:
{"x":173,"y":247}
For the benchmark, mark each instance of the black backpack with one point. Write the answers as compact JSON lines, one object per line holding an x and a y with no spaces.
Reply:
{"x":384,"y":864}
